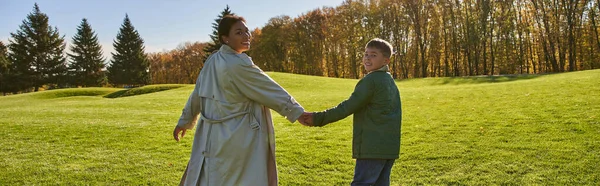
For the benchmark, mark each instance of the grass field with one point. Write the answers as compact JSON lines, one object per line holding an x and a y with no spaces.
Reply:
{"x":514,"y":130}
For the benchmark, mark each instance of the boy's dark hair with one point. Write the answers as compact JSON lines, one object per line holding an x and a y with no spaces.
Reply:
{"x":226,"y":23}
{"x":384,"y":46}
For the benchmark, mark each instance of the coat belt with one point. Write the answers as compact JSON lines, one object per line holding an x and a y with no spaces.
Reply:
{"x":204,"y":118}
{"x":253,"y":123}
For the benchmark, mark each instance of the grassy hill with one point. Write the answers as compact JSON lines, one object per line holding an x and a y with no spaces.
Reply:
{"x":518,"y":130}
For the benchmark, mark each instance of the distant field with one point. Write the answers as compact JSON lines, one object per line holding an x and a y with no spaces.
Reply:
{"x":507,"y":130}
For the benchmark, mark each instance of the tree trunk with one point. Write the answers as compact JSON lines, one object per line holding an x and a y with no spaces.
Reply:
{"x":595,"y":29}
{"x":550,"y":52}
{"x":492,"y":57}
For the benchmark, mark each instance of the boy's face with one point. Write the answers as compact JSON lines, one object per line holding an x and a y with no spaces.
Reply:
{"x":373,"y":59}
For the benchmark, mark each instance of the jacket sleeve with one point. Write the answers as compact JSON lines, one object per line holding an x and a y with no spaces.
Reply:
{"x":189,"y":115}
{"x":359,"y":99}
{"x":259,"y":87}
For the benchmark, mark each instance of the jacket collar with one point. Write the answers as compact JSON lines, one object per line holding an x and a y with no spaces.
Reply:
{"x":385,"y":68}
{"x":227,"y":49}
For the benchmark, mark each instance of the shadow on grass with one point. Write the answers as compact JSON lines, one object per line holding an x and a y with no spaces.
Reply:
{"x":71,"y":92}
{"x":116,"y":94}
{"x":478,"y":79}
{"x":141,"y":90}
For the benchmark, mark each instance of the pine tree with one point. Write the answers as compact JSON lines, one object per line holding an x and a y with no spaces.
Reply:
{"x":9,"y":82}
{"x":129,"y":65}
{"x":3,"y":59}
{"x":216,"y":43}
{"x":4,"y":65}
{"x":86,"y":57}
{"x":37,"y":52}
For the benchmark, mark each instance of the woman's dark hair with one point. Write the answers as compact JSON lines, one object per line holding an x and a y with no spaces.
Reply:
{"x":226,"y":23}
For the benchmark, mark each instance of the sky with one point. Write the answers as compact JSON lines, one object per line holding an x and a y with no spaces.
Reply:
{"x":162,"y":24}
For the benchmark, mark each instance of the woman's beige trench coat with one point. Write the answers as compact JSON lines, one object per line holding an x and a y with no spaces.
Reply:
{"x":234,"y":142}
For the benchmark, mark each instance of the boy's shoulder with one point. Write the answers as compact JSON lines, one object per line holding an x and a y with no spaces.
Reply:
{"x":377,"y":75}
{"x":377,"y":79}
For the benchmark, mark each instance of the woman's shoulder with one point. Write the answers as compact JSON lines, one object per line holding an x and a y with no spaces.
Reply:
{"x":238,"y":64}
{"x":237,"y":59}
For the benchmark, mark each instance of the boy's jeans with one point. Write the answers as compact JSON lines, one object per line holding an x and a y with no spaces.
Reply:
{"x":372,"y":172}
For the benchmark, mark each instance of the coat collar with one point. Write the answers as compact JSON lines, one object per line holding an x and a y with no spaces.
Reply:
{"x":227,"y":49}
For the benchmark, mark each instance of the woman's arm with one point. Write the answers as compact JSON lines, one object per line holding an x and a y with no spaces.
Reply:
{"x":259,"y":87}
{"x":189,"y":115}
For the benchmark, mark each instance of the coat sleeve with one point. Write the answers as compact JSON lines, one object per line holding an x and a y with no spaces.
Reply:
{"x":363,"y":92}
{"x":259,"y":87}
{"x":189,"y":115}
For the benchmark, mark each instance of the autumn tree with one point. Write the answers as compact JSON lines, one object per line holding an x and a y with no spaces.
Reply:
{"x":181,"y":65}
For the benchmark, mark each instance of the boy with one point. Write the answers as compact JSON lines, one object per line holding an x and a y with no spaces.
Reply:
{"x":377,"y":111}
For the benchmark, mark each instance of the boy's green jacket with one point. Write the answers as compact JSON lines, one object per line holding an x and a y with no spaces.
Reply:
{"x":377,"y":111}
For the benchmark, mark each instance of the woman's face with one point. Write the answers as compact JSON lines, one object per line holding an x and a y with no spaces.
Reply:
{"x":239,"y":37}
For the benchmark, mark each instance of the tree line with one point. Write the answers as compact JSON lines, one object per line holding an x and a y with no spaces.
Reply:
{"x":183,"y":64}
{"x":431,"y":38}
{"x":35,"y":57}
{"x":435,"y":38}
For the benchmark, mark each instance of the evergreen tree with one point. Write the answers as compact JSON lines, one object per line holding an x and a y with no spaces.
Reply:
{"x":129,"y":65}
{"x":3,"y":56}
{"x":37,"y":52}
{"x":4,"y":69}
{"x":216,"y":43}
{"x":86,"y":57}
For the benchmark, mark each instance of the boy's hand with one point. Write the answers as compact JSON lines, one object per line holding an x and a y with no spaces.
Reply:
{"x":306,"y":119}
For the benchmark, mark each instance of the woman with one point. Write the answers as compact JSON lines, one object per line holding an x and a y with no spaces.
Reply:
{"x":234,"y":142}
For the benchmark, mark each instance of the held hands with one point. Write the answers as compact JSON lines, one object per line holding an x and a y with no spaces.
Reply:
{"x":177,"y":131}
{"x":306,"y":119}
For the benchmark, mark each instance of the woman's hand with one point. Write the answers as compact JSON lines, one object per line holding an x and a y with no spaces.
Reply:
{"x":177,"y":131}
{"x":306,"y":119}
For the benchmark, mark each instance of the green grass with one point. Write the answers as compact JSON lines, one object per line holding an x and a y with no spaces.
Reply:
{"x":517,"y":130}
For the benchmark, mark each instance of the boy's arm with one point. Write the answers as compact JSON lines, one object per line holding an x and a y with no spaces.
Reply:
{"x":359,"y":99}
